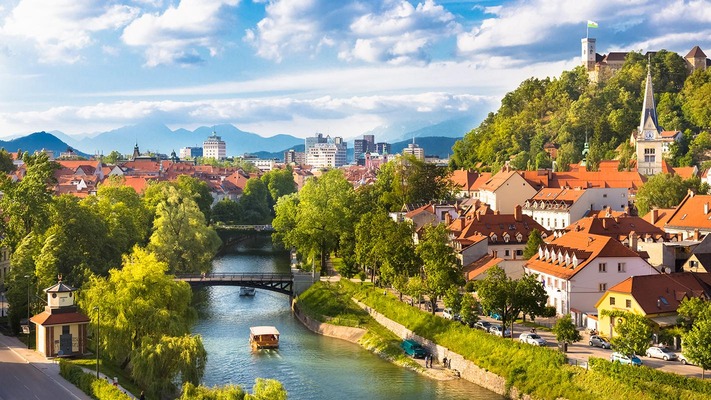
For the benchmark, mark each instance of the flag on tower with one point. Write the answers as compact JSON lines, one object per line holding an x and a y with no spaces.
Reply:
{"x":592,"y":24}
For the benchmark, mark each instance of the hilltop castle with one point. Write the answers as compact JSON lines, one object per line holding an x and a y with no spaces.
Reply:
{"x":602,"y":66}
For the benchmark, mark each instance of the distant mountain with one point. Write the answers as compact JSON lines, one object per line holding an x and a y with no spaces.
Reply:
{"x":456,"y":127}
{"x":159,"y":138}
{"x":38,"y":141}
{"x":434,"y":145}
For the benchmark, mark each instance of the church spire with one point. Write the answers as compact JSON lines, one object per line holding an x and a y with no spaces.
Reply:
{"x":648,"y":124}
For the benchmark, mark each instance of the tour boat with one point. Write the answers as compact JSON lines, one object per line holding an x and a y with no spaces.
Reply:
{"x":264,"y":337}
{"x":247,"y":291}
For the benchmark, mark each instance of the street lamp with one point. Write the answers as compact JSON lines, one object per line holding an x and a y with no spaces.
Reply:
{"x":98,"y":317}
{"x":28,"y":310}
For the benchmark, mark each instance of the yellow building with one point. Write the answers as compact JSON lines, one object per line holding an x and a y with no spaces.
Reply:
{"x":656,"y":297}
{"x":61,"y":330}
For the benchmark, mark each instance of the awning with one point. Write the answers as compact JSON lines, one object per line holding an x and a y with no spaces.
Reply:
{"x":667,"y":320}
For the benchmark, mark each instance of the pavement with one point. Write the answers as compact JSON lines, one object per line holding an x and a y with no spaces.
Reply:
{"x":27,"y":374}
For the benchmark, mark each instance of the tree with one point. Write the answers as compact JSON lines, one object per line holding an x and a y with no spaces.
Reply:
{"x":139,"y":304}
{"x":267,"y":389}
{"x":633,"y":332}
{"x":533,"y":244}
{"x":180,"y":236}
{"x":697,"y":344}
{"x":199,"y":191}
{"x":665,"y":191}
{"x":314,"y":222}
{"x":440,"y":266}
{"x":160,"y":360}
{"x":226,"y":211}
{"x":279,"y":182}
{"x":263,"y":389}
{"x":6,"y":164}
{"x":113,"y":157}
{"x":468,"y":312}
{"x":453,"y":299}
{"x":255,"y":203}
{"x":508,"y":297}
{"x":565,"y":331}
{"x":26,"y":203}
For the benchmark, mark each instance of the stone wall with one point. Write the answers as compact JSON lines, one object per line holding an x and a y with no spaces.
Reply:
{"x":348,"y":333}
{"x":467,"y":369}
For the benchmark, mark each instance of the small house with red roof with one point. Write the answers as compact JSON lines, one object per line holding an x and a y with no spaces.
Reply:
{"x":506,"y":190}
{"x":61,"y":330}
{"x":577,"y":268}
{"x":692,"y":218}
{"x":656,"y":297}
{"x":467,"y":183}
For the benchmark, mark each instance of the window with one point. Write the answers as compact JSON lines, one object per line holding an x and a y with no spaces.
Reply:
{"x":602,"y":287}
{"x":507,"y":253}
{"x":602,"y":267}
{"x":620,"y":267}
{"x":612,"y":301}
{"x":649,"y":155}
{"x":65,"y":329}
{"x":549,"y":281}
{"x":519,"y":252}
{"x":604,"y":195}
{"x":628,"y":303}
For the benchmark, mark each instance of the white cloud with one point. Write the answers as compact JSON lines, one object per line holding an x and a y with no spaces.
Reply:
{"x":178,"y":34}
{"x":60,"y":29}
{"x":392,"y":31}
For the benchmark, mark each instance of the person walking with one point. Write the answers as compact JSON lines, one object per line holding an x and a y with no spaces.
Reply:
{"x":143,"y":396}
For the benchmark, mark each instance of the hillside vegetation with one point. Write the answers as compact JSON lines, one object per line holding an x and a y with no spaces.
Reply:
{"x":567,"y":109}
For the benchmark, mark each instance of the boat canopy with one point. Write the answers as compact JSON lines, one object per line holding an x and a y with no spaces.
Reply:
{"x":263,"y":330}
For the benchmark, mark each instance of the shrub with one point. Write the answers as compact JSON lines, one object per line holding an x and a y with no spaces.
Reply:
{"x":96,"y":388}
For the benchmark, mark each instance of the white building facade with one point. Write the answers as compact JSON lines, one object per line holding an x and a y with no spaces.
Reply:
{"x":214,"y":147}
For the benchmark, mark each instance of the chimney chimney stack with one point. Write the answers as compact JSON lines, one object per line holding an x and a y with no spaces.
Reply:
{"x":518,"y":217}
{"x":633,"y":240}
{"x":604,"y":223}
{"x":655,"y":215}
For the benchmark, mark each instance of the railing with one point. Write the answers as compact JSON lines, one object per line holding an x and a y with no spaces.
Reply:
{"x":245,"y":227}
{"x":237,"y":277}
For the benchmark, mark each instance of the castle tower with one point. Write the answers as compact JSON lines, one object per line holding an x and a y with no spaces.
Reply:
{"x":588,"y":54}
{"x":696,"y":59}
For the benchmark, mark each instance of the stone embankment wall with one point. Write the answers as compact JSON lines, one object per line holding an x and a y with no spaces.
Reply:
{"x":467,"y":369}
{"x":350,"y":334}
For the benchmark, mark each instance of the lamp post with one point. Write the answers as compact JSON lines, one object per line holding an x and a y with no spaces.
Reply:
{"x":98,"y":317}
{"x":28,"y":310}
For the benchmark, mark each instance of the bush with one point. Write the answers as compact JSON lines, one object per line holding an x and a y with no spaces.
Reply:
{"x":96,"y":388}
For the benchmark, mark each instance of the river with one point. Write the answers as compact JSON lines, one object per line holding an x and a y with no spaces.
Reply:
{"x":310,"y":366}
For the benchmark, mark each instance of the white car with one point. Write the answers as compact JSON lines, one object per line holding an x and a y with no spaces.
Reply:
{"x":685,"y":360}
{"x":661,"y":352}
{"x":532,"y":338}
{"x":499,"y":330}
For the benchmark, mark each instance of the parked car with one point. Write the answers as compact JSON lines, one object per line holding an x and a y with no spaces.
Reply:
{"x":661,"y":352}
{"x":499,"y":330}
{"x":449,"y":314}
{"x":413,"y":349}
{"x":685,"y":360}
{"x":599,"y":341}
{"x":625,"y":359}
{"x":483,"y":325}
{"x":495,"y":316}
{"x":532,"y":338}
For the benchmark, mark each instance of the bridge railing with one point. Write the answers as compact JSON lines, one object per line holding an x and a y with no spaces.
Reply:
{"x":236,"y":277}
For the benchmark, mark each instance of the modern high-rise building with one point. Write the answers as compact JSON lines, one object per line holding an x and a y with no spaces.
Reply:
{"x":360,"y":147}
{"x":331,"y":154}
{"x":309,"y":142}
{"x":190,"y":152}
{"x":214,"y":147}
{"x":415,"y":150}
{"x":371,"y":142}
{"x":294,"y":157}
{"x":382,"y":148}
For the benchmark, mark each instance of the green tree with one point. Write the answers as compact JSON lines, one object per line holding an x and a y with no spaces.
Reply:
{"x":534,"y":242}
{"x":255,"y":203}
{"x":565,"y":331}
{"x":22,"y":264}
{"x":666,"y":191}
{"x":267,"y":389}
{"x":279,"y":182}
{"x":26,"y":203}
{"x":453,"y":299}
{"x":697,"y":344}
{"x":159,"y":361}
{"x":508,"y":297}
{"x":113,"y":157}
{"x":227,"y":211}
{"x":199,"y":191}
{"x":469,"y":310}
{"x":180,"y":236}
{"x":633,"y":332}
{"x":6,"y":164}
{"x":440,"y":266}
{"x":139,"y":303}
{"x":227,"y":392}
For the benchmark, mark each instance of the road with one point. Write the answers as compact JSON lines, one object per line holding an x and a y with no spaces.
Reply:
{"x":20,"y":379}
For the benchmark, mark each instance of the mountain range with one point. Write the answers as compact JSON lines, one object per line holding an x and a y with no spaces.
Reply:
{"x":437,"y":139}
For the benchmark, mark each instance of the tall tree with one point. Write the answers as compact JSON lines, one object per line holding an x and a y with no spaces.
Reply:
{"x":181,"y":238}
{"x":508,"y":297}
{"x":666,"y":191}
{"x":255,"y":202}
{"x":440,"y":266}
{"x":534,"y":242}
{"x":279,"y":182}
{"x":633,"y":332}
{"x":199,"y":191}
{"x":565,"y":330}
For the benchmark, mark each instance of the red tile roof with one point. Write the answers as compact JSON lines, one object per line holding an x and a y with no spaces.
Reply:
{"x":469,"y":180}
{"x":480,"y":266}
{"x":495,"y":227}
{"x":662,"y":293}
{"x":45,"y":318}
{"x":693,"y":212}
{"x":619,"y":227}
{"x":585,"y":247}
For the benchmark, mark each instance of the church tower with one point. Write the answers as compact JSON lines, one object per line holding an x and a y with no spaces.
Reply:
{"x":649,"y":141}
{"x":588,"y":54}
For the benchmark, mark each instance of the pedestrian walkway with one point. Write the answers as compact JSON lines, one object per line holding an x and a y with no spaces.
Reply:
{"x":49,"y":367}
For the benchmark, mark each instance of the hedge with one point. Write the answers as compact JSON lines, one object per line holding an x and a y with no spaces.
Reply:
{"x":98,"y":389}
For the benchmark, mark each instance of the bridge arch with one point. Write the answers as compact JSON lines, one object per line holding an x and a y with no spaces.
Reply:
{"x":275,"y":282}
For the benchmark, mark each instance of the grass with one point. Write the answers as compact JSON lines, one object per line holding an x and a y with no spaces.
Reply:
{"x":540,"y":372}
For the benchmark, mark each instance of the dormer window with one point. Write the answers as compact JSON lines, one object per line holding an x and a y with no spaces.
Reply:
{"x":548,"y":255}
{"x":540,"y":252}
{"x":506,"y":237}
{"x":554,"y":257}
{"x":575,"y":261}
{"x":493,"y":237}
{"x":560,"y":256}
{"x":519,"y":237}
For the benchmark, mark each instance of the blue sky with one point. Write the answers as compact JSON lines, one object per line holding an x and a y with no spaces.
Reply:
{"x":341,"y":67}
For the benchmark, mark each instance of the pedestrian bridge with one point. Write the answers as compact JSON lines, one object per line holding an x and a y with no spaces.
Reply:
{"x":291,"y":283}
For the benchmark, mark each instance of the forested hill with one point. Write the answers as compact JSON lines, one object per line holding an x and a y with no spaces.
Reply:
{"x":566,"y":109}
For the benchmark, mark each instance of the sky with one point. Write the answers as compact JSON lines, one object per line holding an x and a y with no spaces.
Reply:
{"x":343,"y":67}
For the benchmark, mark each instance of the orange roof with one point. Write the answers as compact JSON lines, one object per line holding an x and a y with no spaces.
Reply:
{"x":480,"y":266}
{"x":660,"y":216}
{"x":558,"y":194}
{"x":693,"y":212}
{"x":46,"y":318}
{"x":138,"y":183}
{"x":497,"y":181}
{"x":469,"y":180}
{"x":669,"y":134}
{"x":662,"y":293}
{"x":496,"y":227}
{"x":582,"y":246}
{"x":619,"y":227}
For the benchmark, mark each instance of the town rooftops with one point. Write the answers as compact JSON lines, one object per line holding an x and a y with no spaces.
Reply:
{"x":469,"y":180}
{"x":567,"y":255}
{"x":480,"y":266}
{"x":499,"y":228}
{"x":662,"y":293}
{"x":694,"y":211}
{"x":619,"y":227}
{"x":497,"y":180}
